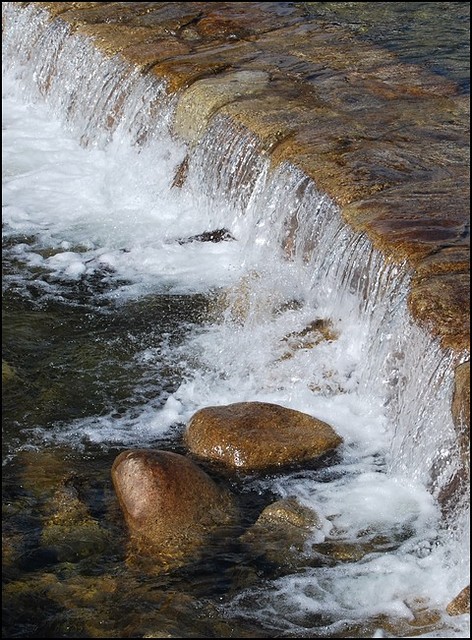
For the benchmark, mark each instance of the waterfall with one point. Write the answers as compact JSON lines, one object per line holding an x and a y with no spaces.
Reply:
{"x":323,"y":264}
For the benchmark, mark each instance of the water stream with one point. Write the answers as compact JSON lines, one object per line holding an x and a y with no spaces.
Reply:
{"x":119,"y":323}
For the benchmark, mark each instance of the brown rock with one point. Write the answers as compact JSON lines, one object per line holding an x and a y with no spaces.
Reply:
{"x":206,"y":96}
{"x":281,"y":532}
{"x":8,"y":373}
{"x":69,"y":528}
{"x":461,"y":417}
{"x":460,"y":604}
{"x":461,"y":398}
{"x":319,"y":330}
{"x":258,"y":435}
{"x":56,"y":8}
{"x":386,"y":140}
{"x":458,"y":487}
{"x":170,"y":505}
{"x":441,"y":304}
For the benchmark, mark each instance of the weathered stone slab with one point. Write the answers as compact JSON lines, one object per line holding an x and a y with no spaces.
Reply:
{"x":204,"y":97}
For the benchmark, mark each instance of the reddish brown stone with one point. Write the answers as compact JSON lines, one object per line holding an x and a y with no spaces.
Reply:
{"x":170,"y":505}
{"x":258,"y":436}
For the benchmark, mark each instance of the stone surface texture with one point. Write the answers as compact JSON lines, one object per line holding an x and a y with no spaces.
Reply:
{"x":252,"y":436}
{"x":170,"y":505}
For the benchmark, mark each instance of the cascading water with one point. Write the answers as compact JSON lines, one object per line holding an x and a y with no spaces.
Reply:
{"x":107,"y":209}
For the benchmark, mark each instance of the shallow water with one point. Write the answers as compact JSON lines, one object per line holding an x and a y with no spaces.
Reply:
{"x":117,"y":328}
{"x":434,"y":35}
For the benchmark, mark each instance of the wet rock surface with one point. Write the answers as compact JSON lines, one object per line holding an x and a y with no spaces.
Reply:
{"x":386,"y":139}
{"x":281,"y":533}
{"x":461,"y":603}
{"x":170,"y":505}
{"x":258,"y":436}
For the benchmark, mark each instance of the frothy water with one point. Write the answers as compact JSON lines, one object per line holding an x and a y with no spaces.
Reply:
{"x":88,"y":198}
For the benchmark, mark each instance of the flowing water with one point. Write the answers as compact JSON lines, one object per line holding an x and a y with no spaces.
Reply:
{"x":120,"y":321}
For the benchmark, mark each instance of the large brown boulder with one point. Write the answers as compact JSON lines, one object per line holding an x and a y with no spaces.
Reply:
{"x":170,"y":505}
{"x":258,"y":435}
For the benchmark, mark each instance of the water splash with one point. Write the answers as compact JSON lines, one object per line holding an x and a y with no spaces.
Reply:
{"x":296,"y":255}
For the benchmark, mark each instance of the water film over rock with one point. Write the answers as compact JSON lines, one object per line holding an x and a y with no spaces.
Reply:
{"x":170,"y":505}
{"x":258,"y":436}
{"x":220,"y":204}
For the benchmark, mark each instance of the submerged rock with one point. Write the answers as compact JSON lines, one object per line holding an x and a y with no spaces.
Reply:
{"x":170,"y":505}
{"x":69,"y":530}
{"x":258,"y":436}
{"x":8,"y":373}
{"x":320,"y":330}
{"x":281,"y":533}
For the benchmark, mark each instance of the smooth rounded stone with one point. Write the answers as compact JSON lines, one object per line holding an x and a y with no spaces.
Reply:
{"x":258,"y":436}
{"x":170,"y":505}
{"x":460,"y":604}
{"x":204,"y":97}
